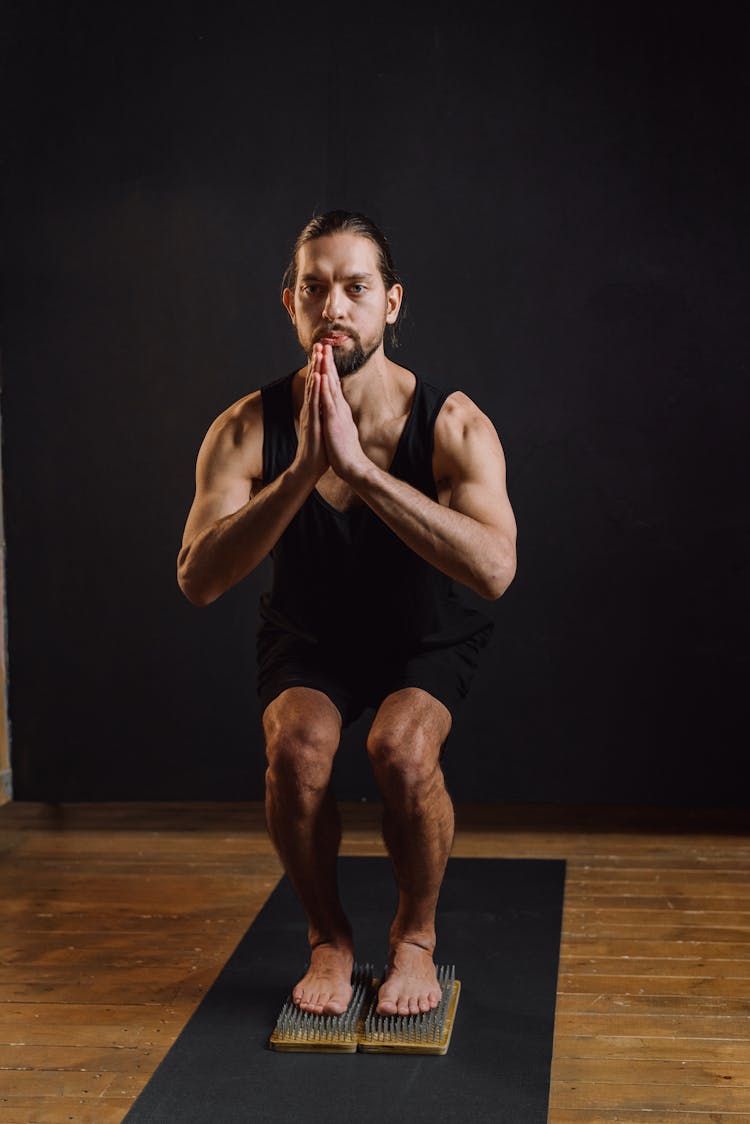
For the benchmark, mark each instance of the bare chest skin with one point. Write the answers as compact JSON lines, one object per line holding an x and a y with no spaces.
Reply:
{"x":337,"y":492}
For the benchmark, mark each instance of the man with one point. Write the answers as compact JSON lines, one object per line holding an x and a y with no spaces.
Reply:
{"x":374,"y":492}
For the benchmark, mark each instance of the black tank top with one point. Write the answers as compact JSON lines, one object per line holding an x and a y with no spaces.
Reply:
{"x":346,"y":577}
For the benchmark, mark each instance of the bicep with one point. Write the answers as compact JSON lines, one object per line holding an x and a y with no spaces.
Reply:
{"x":476,"y":471}
{"x":222,"y":482}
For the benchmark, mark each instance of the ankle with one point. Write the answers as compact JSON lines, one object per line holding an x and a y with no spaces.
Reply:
{"x":422,"y":938}
{"x":339,"y":939}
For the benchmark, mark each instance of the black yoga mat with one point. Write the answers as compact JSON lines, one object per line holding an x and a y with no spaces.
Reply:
{"x":498,"y":922}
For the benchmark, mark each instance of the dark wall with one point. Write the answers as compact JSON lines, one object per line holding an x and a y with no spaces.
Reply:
{"x":566,"y":197}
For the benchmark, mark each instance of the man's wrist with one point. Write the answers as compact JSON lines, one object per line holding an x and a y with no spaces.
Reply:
{"x":302,"y":476}
{"x":363,"y":472}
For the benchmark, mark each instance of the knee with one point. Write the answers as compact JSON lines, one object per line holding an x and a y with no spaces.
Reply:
{"x":404,"y":759}
{"x":300,"y":757}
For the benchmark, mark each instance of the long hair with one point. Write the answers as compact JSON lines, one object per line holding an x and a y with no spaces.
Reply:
{"x":348,"y":222}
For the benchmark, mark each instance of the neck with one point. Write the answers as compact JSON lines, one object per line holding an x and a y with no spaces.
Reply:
{"x":373,"y":390}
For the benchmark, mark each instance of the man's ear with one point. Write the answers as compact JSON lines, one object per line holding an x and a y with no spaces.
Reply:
{"x":393,"y":299}
{"x":288,"y":299}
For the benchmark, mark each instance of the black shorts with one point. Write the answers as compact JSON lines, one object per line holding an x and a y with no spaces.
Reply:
{"x":354,"y":680}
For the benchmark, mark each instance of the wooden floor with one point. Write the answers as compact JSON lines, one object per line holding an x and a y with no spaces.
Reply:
{"x":116,"y":918}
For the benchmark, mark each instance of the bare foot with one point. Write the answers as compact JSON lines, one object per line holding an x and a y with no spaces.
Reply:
{"x":411,"y":985}
{"x":326,"y":987}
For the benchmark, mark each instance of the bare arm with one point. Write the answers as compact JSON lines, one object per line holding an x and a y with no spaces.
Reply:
{"x":229,"y":530}
{"x":473,"y":537}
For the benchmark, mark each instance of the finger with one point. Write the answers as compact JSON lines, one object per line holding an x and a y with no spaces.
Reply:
{"x":330,"y":362}
{"x":315,"y":403}
{"x":335,"y":377}
{"x":328,"y":377}
{"x":325,"y":390}
{"x":324,"y":408}
{"x":309,"y":375}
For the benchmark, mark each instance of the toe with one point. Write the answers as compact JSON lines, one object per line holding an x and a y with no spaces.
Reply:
{"x":386,"y":1004}
{"x":332,"y":1005}
{"x":414,"y":1006}
{"x":424,"y":1003}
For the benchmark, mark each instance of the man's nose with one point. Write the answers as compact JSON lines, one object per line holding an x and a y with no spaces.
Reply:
{"x":332,"y":310}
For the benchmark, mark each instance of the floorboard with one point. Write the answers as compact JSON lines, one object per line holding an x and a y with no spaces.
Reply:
{"x":116,"y":918}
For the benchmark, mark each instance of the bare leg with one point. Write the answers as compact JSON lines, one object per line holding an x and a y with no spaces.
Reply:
{"x":302,"y":729}
{"x":418,"y":826}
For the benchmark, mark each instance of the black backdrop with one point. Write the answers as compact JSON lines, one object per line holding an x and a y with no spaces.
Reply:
{"x":565,"y":189}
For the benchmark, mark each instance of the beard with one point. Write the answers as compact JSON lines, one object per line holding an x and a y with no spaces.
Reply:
{"x":351,"y":358}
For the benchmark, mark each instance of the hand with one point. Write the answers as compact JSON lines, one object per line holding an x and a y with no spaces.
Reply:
{"x":345,"y":453}
{"x":311,"y":448}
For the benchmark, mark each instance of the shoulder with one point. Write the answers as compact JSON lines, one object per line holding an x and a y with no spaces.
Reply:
{"x":235,"y":437}
{"x":461,"y":419}
{"x":243,"y":419}
{"x":466,"y":443}
{"x":238,"y":421}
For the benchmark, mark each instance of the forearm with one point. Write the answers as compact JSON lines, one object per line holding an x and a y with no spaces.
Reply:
{"x":226,"y":551}
{"x":454,"y":543}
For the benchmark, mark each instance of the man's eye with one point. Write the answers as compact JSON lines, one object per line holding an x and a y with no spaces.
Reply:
{"x":357,"y":288}
{"x":310,"y":288}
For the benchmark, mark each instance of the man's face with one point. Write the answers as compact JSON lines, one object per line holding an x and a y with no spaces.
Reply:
{"x":339,"y":298}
